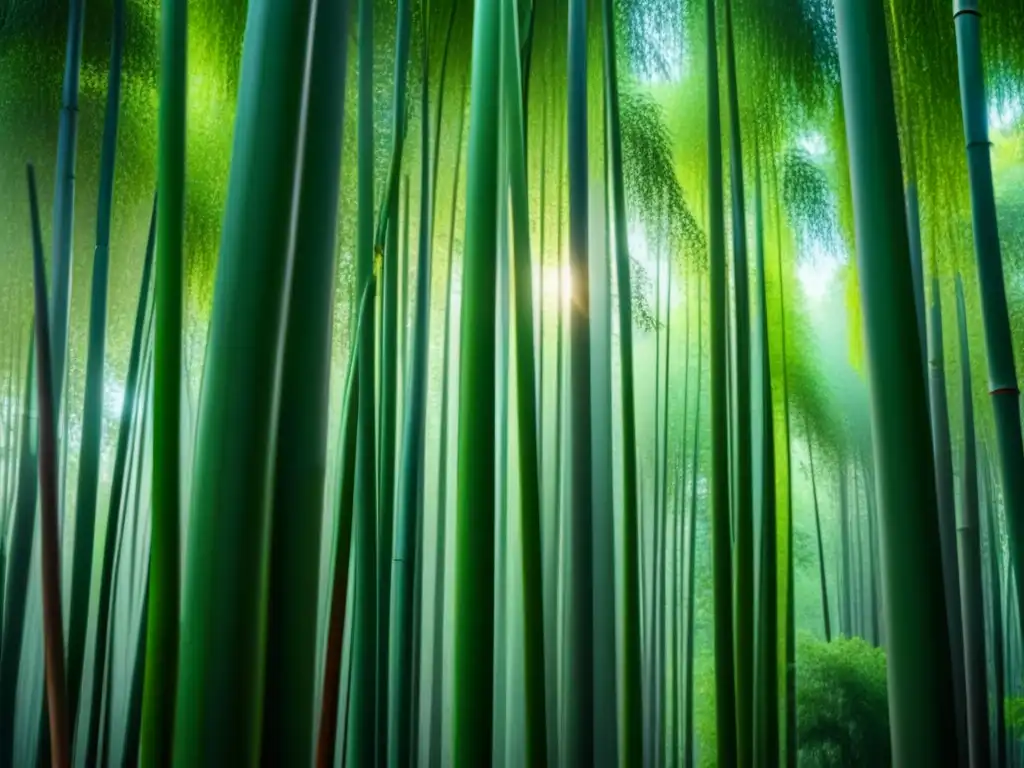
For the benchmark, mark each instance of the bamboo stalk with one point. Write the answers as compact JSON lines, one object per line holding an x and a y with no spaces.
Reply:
{"x":361,"y":743}
{"x":529,"y":483}
{"x":475,"y":523}
{"x":107,"y":565}
{"x":1002,"y":374}
{"x":224,"y":612}
{"x":970,"y":560}
{"x":947,"y":512}
{"x":580,"y":700}
{"x":327,"y":733}
{"x":437,"y":697}
{"x":409,"y":521}
{"x":162,"y":627}
{"x":53,"y":625}
{"x":92,"y":417}
{"x":725,"y":674}
{"x":689,"y":747}
{"x":64,"y":195}
{"x":918,"y":663}
{"x":300,"y":464}
{"x":632,"y":701}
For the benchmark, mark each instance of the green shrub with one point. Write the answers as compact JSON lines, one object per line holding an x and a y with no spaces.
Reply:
{"x":842,"y":709}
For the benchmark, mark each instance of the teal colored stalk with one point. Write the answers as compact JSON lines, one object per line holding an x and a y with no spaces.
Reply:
{"x":300,"y":465}
{"x":765,"y":737}
{"x":821,"y":549}
{"x":163,"y":619}
{"x":64,"y":194}
{"x":651,"y":660}
{"x":403,"y":301}
{"x":224,"y":611}
{"x":606,"y":569}
{"x":632,"y":701}
{"x":19,"y":561}
{"x":556,"y":690}
{"x":742,"y":416}
{"x":969,"y":538}
{"x":998,"y":338}
{"x":475,"y":522}
{"x":329,"y":702}
{"x":947,"y":512}
{"x":920,"y":688}
{"x":846,"y":590}
{"x":123,"y":559}
{"x":689,"y":754}
{"x":134,"y":724}
{"x":725,"y":680}
{"x":409,"y":520}
{"x":662,"y":573}
{"x":998,"y":656}
{"x":790,"y":743}
{"x":526,"y":404}
{"x":680,"y":508}
{"x":361,"y":744}
{"x":128,"y":409}
{"x":580,"y":699}
{"x":388,"y":380}
{"x":437,"y":692}
{"x":916,"y":259}
{"x":92,"y":418}
{"x":49,"y":472}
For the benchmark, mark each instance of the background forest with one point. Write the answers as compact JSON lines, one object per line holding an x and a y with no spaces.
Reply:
{"x":513,"y":382}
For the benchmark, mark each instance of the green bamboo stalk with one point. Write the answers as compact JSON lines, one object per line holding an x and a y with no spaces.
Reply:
{"x":998,"y":656}
{"x":301,"y":460}
{"x":744,"y":532}
{"x":361,"y":744}
{"x":677,"y":594}
{"x":64,"y":194}
{"x":790,"y":743}
{"x":651,"y":660}
{"x":128,"y":410}
{"x":580,"y":699}
{"x":873,"y":567}
{"x":134,"y":720}
{"x":162,"y":628}
{"x":475,"y":523}
{"x":409,"y":521}
{"x":969,"y":539}
{"x":526,"y":404}
{"x":821,"y":549}
{"x":689,"y":752}
{"x":53,"y":625}
{"x":998,"y":338}
{"x":437,"y":694}
{"x":765,"y":737}
{"x":660,"y":749}
{"x":947,"y":511}
{"x":918,"y":658}
{"x":19,"y":560}
{"x":845,"y":588}
{"x":388,"y":381}
{"x":632,"y":702}
{"x":124,"y":558}
{"x":92,"y":418}
{"x":725,"y":677}
{"x":219,"y":701}
{"x":558,"y":554}
{"x":327,"y":733}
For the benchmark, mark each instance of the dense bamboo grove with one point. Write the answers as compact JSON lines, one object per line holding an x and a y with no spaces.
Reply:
{"x":507,"y":382}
